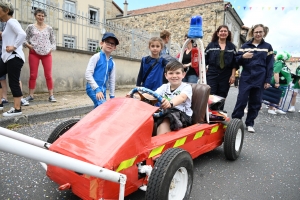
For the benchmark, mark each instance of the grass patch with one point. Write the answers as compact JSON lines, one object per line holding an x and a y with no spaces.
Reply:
{"x":14,"y":126}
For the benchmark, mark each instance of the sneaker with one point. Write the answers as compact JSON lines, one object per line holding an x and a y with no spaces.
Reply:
{"x":280,"y":112}
{"x":52,"y":99}
{"x":292,"y":109}
{"x":250,"y":129}
{"x":29,"y":98}
{"x":24,"y":102}
{"x":4,"y":100}
{"x":1,"y":106}
{"x":299,"y":111}
{"x":272,"y":112}
{"x":12,"y":112}
{"x":245,"y":110}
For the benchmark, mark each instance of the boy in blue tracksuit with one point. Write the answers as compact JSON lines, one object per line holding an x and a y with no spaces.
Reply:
{"x":101,"y":68}
{"x":256,"y":57}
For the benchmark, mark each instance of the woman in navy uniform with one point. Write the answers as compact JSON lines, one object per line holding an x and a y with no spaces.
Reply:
{"x":220,"y":58}
{"x":256,"y":57}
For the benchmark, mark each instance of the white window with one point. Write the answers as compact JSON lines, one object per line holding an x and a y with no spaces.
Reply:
{"x":70,"y":8}
{"x":93,"y":16}
{"x":92,"y":45}
{"x":38,"y":4}
{"x":69,"y":42}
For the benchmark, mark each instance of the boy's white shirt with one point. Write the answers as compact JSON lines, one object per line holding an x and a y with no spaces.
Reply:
{"x":90,"y":72}
{"x":185,"y":88}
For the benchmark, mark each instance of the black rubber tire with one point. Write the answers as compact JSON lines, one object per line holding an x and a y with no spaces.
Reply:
{"x":61,"y":129}
{"x":164,"y":170}
{"x":234,"y":127}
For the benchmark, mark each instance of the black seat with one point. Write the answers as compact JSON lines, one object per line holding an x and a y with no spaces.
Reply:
{"x":199,"y":102}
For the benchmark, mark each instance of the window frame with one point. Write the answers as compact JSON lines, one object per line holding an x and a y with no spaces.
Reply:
{"x":96,"y":21}
{"x":70,"y":37}
{"x":37,"y":2}
{"x":69,"y":14}
{"x":91,"y":41}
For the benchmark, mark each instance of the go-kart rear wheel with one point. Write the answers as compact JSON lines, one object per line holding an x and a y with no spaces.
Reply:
{"x":172,"y":176}
{"x":61,"y":129}
{"x":233,"y":139}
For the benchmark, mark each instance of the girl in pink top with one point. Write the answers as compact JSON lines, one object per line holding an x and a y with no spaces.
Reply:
{"x":41,"y":41}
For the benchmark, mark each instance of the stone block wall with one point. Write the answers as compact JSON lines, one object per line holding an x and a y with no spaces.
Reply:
{"x":177,"y":21}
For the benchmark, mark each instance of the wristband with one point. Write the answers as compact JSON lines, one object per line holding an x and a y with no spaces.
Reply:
{"x":171,"y":103}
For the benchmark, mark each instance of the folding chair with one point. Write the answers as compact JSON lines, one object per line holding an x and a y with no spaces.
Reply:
{"x":272,"y":96}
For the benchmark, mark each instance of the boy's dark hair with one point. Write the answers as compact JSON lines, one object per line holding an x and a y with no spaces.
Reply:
{"x":39,"y":10}
{"x":173,"y":65}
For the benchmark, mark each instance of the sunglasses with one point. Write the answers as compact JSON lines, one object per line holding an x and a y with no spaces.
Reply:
{"x":110,"y":43}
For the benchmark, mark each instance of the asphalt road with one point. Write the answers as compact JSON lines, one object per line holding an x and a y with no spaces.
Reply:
{"x":268,"y":167}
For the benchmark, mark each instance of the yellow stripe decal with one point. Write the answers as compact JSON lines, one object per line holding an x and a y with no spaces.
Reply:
{"x":214,"y":129}
{"x":180,"y":142}
{"x":156,"y":151}
{"x":198,"y":135}
{"x":225,"y":126}
{"x":126,"y":164}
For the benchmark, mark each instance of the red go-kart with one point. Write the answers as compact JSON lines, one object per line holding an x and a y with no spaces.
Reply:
{"x":120,"y":136}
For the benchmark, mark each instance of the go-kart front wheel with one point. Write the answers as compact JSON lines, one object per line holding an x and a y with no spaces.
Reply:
{"x":61,"y":129}
{"x":172,"y":176}
{"x":233,"y":139}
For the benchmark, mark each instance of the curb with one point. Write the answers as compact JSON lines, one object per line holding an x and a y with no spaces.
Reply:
{"x":43,"y":117}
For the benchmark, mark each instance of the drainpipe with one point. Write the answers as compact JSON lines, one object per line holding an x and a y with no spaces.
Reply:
{"x":125,"y":9}
{"x":104,"y":19}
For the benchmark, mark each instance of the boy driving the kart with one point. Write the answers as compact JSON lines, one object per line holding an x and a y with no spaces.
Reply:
{"x":177,"y":99}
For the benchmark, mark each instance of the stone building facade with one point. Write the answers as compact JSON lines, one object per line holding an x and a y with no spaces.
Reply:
{"x":175,"y":17}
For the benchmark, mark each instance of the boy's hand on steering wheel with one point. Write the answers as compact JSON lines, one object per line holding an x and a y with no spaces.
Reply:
{"x":165,"y":104}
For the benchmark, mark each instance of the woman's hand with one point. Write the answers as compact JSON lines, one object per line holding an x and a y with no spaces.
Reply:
{"x":267,"y":85}
{"x":277,"y":85}
{"x":232,"y":79}
{"x":10,"y":49}
{"x":99,"y":96}
{"x":248,"y":55}
{"x":31,"y":47}
{"x":186,"y":65}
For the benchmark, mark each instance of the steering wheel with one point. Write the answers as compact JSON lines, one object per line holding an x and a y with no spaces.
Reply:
{"x":140,"y":90}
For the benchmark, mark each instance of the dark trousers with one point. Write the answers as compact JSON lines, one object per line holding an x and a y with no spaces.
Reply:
{"x":248,"y":94}
{"x":236,"y":82}
{"x":219,"y":86}
{"x":13,"y":69}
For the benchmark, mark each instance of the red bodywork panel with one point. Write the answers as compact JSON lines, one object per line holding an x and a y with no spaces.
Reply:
{"x":118,"y":135}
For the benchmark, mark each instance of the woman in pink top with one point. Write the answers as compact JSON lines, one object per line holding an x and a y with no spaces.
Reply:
{"x":41,"y":41}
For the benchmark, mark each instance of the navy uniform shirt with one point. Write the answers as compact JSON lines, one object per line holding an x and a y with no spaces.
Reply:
{"x":212,"y":59}
{"x":258,"y":69}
